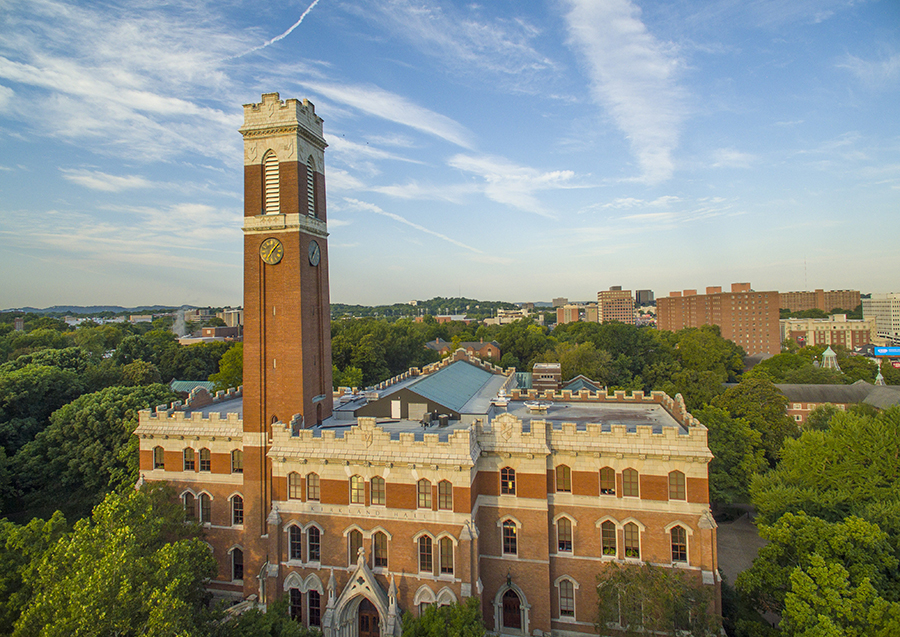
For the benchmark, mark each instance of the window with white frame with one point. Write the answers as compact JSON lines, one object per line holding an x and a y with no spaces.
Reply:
{"x":426,"y":564}
{"x":564,"y":535}
{"x":295,"y":543}
{"x":510,"y":538}
{"x":566,"y":598}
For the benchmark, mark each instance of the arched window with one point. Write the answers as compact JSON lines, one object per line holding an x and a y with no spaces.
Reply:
{"x":205,"y":508}
{"x":295,"y":607}
{"x":295,"y":486}
{"x":679,"y":544}
{"x":512,"y":610}
{"x":354,"y":541}
{"x":446,"y":555}
{"x":423,"y":491}
{"x":311,"y":187}
{"x":295,"y":543}
{"x":564,"y":535}
{"x":563,"y":479}
{"x":159,"y":458}
{"x":676,"y":485}
{"x":566,"y":598}
{"x":357,"y":490}
{"x":632,"y":540}
{"x":379,"y":550}
{"x":377,"y":490}
{"x":608,"y":538}
{"x":426,"y":564}
{"x":188,"y":457}
{"x":607,"y":481}
{"x":190,"y":508}
{"x":314,"y":608}
{"x":205,"y":460}
{"x":630,"y":484}
{"x":510,"y":539}
{"x":314,"y":544}
{"x":237,"y":461}
{"x":312,"y":486}
{"x":445,"y":495}
{"x":270,"y":184}
{"x":507,"y":481}
{"x":237,"y":564}
{"x":237,"y":510}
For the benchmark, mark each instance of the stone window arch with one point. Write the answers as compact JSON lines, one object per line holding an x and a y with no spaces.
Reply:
{"x":237,"y":510}
{"x":313,"y":491}
{"x":205,"y":460}
{"x":159,"y":458}
{"x":507,"y":481}
{"x":357,"y":490}
{"x":564,"y":534}
{"x":237,"y":461}
{"x":607,"y":481}
{"x":187,"y":459}
{"x":423,"y":494}
{"x":377,"y":490}
{"x":676,"y":485}
{"x":563,"y":479}
{"x":271,"y":186}
{"x":311,"y":194}
{"x":631,"y":485}
{"x":295,"y":486}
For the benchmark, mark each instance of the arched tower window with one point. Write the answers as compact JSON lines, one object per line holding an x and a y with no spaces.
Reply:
{"x":271,"y":195}
{"x":311,"y":186}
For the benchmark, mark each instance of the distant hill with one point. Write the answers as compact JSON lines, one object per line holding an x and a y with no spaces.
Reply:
{"x":94,"y":309}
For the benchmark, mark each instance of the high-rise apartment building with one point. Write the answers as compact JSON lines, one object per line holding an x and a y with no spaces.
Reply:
{"x":568,"y":313}
{"x":819,"y":300}
{"x":615,"y":304}
{"x":644,"y":297}
{"x":745,"y":317}
{"x":885,"y":309}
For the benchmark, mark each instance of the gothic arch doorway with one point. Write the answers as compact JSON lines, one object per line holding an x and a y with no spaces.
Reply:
{"x":512,"y":610}
{"x":369,"y":624}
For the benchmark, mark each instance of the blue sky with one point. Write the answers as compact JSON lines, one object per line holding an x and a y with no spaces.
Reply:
{"x":505,"y":150}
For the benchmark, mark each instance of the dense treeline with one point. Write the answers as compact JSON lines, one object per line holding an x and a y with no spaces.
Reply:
{"x":472,"y":308}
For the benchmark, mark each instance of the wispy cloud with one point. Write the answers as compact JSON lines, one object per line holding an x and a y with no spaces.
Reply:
{"x":370,"y":207}
{"x":875,"y":74}
{"x":414,"y":190}
{"x":96,"y":180}
{"x":283,"y":35}
{"x":511,"y":184}
{"x":634,"y":77}
{"x":395,"y":108}
{"x":347,"y":149}
{"x":731,"y":158}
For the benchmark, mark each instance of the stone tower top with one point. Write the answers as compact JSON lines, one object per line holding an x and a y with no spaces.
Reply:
{"x":274,"y":116}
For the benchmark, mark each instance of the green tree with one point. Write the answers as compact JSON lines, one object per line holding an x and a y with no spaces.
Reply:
{"x":583,"y":358}
{"x":274,"y":622}
{"x":140,"y":373}
{"x":819,"y":419}
{"x":737,"y":455}
{"x":231,"y":369}
{"x":133,"y":568}
{"x":452,"y":620}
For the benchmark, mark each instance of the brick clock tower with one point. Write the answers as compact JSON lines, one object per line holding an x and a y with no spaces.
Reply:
{"x":287,"y":331}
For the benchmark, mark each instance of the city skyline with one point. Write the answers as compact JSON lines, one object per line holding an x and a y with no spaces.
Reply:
{"x":491,"y":151}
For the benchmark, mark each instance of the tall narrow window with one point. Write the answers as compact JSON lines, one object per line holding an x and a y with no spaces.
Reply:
{"x":270,"y":176}
{"x":205,"y":460}
{"x":425,"y":563}
{"x":295,"y":486}
{"x":377,"y":490}
{"x":357,"y":490}
{"x":445,"y":495}
{"x":423,"y":492}
{"x":379,"y":550}
{"x":295,"y":543}
{"x":679,"y":544}
{"x":295,"y":608}
{"x":314,"y":543}
{"x":237,"y":461}
{"x":563,"y":479}
{"x":446,"y":551}
{"x":608,"y":538}
{"x":314,"y":608}
{"x":237,"y":510}
{"x":507,"y":481}
{"x":566,"y":598}
{"x":237,"y":564}
{"x":312,"y":486}
{"x":630,"y":484}
{"x":510,"y":540}
{"x":564,"y":535}
{"x":188,"y":456}
{"x":159,"y":458}
{"x":205,"y":508}
{"x":355,"y":543}
{"x":607,"y":481}
{"x":190,"y":508}
{"x":311,"y":187}
{"x":676,"y":486}
{"x":632,"y":540}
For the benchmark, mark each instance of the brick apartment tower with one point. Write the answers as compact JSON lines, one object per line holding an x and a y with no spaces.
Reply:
{"x":287,"y":333}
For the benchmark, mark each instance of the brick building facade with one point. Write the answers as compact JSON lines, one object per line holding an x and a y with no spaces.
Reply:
{"x":835,"y":330}
{"x":820,"y":300}
{"x":357,"y":519}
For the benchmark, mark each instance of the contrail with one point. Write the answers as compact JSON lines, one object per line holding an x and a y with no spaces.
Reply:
{"x":283,"y":35}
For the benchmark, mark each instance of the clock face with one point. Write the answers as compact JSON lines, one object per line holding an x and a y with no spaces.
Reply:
{"x":271,"y":251}
{"x":315,"y":253}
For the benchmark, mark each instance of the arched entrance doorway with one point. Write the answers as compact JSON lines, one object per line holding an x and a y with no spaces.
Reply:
{"x":512,"y":610}
{"x":368,"y":620}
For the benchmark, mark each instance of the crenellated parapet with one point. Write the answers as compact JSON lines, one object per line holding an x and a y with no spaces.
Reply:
{"x":368,"y":442}
{"x":185,"y":425}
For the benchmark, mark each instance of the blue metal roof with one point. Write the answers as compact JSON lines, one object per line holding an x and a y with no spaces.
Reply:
{"x":452,"y":386}
{"x":189,"y":385}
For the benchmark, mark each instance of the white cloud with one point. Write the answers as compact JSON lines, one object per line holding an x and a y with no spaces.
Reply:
{"x":634,"y":77}
{"x":395,"y":108}
{"x":340,"y":180}
{"x":96,"y":180}
{"x":415,"y":190}
{"x":511,"y":184}
{"x":370,"y":207}
{"x":6,"y":96}
{"x":344,"y":148}
{"x":875,"y":74}
{"x":731,"y":158}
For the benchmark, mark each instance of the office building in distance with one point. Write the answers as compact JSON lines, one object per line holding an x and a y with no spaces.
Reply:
{"x":834,"y":330}
{"x":615,"y":304}
{"x":885,"y":309}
